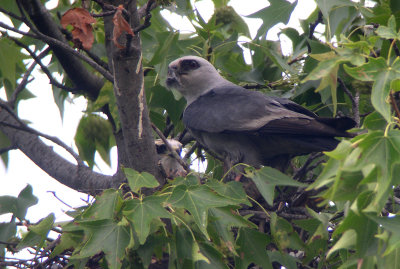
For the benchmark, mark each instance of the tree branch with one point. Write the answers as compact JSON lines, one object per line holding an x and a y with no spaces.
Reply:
{"x":80,"y":178}
{"x":66,"y":48}
{"x":37,"y":59}
{"x":23,"y":127}
{"x":84,"y":79}
{"x":21,"y":86}
{"x":138,"y":141}
{"x":312,"y":29}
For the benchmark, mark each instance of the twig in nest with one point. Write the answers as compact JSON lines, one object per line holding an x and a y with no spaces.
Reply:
{"x":306,"y":167}
{"x":170,"y":149}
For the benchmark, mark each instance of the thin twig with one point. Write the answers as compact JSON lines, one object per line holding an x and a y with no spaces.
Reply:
{"x":355,"y":100}
{"x":53,"y":81}
{"x":395,"y":48}
{"x":23,"y":127}
{"x":93,"y":56}
{"x":170,"y":149}
{"x":395,"y":107}
{"x":306,"y":167}
{"x":144,"y":10}
{"x":190,"y":151}
{"x":7,"y":149}
{"x":2,"y":10}
{"x":297,"y":59}
{"x":55,"y":196}
{"x":147,"y":18}
{"x":55,"y":42}
{"x":312,"y":29}
{"x":21,"y":86}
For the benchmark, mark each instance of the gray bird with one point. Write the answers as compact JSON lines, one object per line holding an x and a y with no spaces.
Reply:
{"x":243,"y":126}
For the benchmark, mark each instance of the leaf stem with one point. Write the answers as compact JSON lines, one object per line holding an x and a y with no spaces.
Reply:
{"x":262,"y":208}
{"x":390,"y":51}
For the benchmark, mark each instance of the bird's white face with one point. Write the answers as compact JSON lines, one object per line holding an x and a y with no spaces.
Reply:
{"x":193,"y":76}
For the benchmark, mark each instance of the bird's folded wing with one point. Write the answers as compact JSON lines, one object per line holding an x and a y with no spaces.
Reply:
{"x":234,"y":109}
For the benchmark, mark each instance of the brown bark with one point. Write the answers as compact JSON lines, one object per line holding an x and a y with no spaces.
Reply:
{"x":126,"y":64}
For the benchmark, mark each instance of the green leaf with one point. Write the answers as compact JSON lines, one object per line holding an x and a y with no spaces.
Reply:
{"x":94,"y":133}
{"x":375,"y":121}
{"x":7,"y":231}
{"x":251,"y":247}
{"x":18,"y":206}
{"x":382,"y":74}
{"x":187,"y":249}
{"x":227,"y":18}
{"x":108,"y":236}
{"x":277,"y":11}
{"x":37,"y":234}
{"x":267,"y":178}
{"x":391,"y":224}
{"x":142,"y":212}
{"x":389,"y":32}
{"x":346,"y":241}
{"x":197,"y":200}
{"x":222,"y":219}
{"x":69,"y":240}
{"x":215,"y":258}
{"x":106,"y":206}
{"x":10,"y":61}
{"x":231,"y":190}
{"x":4,"y":143}
{"x":59,"y":96}
{"x":138,"y":180}
{"x":285,"y":237}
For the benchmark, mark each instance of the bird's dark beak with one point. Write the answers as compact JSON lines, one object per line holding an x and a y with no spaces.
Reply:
{"x":171,"y":78}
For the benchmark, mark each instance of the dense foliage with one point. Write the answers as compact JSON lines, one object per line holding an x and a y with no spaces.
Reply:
{"x":332,"y":210}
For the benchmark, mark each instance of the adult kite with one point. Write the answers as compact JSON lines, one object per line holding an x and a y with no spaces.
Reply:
{"x":243,"y":126}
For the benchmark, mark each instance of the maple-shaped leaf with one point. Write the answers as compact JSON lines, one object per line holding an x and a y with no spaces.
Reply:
{"x":251,"y":247}
{"x":197,"y":200}
{"x":120,"y":26}
{"x":81,"y":21}
{"x":108,"y":236}
{"x":142,"y":212}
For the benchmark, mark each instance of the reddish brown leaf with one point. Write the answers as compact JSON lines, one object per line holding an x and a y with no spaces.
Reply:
{"x":120,"y":26}
{"x":82,"y":31}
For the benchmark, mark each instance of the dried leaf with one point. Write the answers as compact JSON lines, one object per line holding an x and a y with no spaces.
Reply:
{"x":82,"y":31}
{"x":120,"y":26}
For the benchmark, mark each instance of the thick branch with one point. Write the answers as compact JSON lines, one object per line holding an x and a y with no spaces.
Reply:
{"x":80,"y":178}
{"x":140,"y":153}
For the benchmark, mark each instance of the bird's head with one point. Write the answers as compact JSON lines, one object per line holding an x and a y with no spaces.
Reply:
{"x":193,"y":76}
